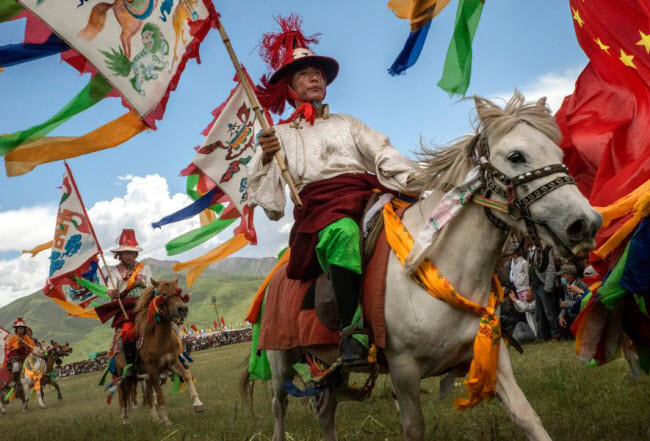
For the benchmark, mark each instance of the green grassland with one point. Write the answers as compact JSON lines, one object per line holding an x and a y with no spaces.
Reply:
{"x":574,"y":403}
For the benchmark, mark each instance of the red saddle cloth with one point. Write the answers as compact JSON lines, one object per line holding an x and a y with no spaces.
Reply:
{"x":285,"y":325}
{"x":5,"y":376}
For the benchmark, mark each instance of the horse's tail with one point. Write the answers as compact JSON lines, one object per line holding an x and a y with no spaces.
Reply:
{"x":246,"y":387}
{"x":96,"y":21}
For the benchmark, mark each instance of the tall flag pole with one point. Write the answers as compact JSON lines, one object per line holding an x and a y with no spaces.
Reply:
{"x":92,"y":230}
{"x":252,"y":98}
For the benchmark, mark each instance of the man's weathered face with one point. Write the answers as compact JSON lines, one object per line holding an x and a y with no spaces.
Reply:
{"x":127,"y":257}
{"x":20,"y":330}
{"x":309,"y":84}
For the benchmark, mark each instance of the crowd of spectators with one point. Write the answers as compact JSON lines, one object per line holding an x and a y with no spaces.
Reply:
{"x":542,"y":293}
{"x":191,"y":343}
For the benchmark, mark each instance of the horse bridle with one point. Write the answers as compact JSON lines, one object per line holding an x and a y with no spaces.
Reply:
{"x":495,"y":181}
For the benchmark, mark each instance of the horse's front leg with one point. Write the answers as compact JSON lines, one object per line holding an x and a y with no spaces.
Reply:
{"x":518,"y":407}
{"x":405,"y":375}
{"x":26,"y":391}
{"x":148,"y":400}
{"x":178,"y":368}
{"x":41,"y":397}
{"x":154,"y":378}
{"x":58,"y":391}
{"x":326,"y":406}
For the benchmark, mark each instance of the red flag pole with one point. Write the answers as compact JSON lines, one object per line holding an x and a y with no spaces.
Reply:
{"x":92,"y":230}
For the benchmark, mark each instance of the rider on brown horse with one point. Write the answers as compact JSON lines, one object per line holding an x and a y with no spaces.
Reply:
{"x":336,"y":162}
{"x":129,"y":278}
{"x":19,"y":345}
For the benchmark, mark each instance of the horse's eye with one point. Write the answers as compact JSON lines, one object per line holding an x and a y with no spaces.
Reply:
{"x":516,"y":158}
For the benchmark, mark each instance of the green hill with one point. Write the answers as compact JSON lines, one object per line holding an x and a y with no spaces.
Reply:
{"x":232,"y":291}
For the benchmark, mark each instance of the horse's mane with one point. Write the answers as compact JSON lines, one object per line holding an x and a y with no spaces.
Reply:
{"x":142,"y":325}
{"x":440,"y":166}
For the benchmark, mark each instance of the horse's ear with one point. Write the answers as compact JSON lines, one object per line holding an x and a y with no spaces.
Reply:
{"x":541,"y":102}
{"x":154,"y":283}
{"x":178,"y":278}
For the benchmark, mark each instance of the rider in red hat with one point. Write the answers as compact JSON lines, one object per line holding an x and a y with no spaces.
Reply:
{"x":129,"y":278}
{"x":19,"y":345}
{"x":336,"y":162}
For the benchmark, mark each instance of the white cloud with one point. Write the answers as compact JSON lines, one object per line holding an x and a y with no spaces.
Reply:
{"x":23,"y":275}
{"x":26,"y":227}
{"x":553,"y":85}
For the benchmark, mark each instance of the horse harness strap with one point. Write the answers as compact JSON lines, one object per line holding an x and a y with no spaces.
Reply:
{"x":506,"y":187}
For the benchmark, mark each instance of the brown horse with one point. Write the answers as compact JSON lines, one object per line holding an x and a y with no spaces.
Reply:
{"x":160,"y":306}
{"x":97,"y":20}
{"x":55,"y":354}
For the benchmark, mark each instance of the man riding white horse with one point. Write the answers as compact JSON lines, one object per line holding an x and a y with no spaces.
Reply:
{"x":336,"y":162}
{"x":129,"y":278}
{"x":19,"y":345}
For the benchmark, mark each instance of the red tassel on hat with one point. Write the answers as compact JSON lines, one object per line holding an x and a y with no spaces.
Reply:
{"x":276,"y":46}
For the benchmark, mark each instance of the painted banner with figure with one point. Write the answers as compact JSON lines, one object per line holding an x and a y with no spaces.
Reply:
{"x":229,"y":146}
{"x":139,"y":46}
{"x":74,"y":253}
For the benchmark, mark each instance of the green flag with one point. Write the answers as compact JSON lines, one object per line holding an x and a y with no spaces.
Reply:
{"x":458,"y":64}
{"x":9,"y":9}
{"x":96,"y":90}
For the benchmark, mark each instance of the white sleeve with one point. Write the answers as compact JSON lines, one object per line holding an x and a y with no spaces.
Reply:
{"x":146,"y":275}
{"x":391,"y":167}
{"x":524,"y":306}
{"x":265,"y":186}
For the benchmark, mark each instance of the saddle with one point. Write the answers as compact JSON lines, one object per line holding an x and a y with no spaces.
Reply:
{"x":303,"y":313}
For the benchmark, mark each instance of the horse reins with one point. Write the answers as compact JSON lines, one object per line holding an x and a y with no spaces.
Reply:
{"x":495,"y":181}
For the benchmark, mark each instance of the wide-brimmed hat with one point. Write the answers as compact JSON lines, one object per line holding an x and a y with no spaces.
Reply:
{"x":20,"y":323}
{"x":127,"y":242}
{"x":302,"y":57}
{"x":286,"y":51}
{"x":568,"y":268}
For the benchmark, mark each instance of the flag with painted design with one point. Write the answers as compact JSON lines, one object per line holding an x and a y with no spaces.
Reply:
{"x":74,"y":253}
{"x":4,"y":334}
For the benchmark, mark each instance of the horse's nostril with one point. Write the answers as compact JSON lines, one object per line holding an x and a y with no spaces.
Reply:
{"x":577,"y":229}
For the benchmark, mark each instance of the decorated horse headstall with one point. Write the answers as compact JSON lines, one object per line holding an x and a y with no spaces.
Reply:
{"x":495,"y":181}
{"x":156,"y":310}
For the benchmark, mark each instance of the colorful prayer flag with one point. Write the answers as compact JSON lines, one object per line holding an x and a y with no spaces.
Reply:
{"x":74,"y":253}
{"x":420,"y":13}
{"x":458,"y":63}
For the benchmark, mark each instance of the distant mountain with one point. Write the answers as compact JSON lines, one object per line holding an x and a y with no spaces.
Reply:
{"x":233,"y":282}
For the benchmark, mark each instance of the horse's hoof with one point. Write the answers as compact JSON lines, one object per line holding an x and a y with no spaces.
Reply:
{"x":60,"y":398}
{"x":125,"y":421}
{"x":167,"y":423}
{"x":199,"y":409}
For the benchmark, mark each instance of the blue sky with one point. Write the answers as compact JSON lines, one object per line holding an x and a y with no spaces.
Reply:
{"x":528,"y":45}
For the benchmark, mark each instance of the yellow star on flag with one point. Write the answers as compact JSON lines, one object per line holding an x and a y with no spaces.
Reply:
{"x":627,"y":59}
{"x":576,"y":17}
{"x":644,"y":41}
{"x":602,"y":45}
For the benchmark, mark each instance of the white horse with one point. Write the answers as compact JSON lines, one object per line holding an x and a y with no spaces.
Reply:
{"x":426,"y":337}
{"x":33,"y":371}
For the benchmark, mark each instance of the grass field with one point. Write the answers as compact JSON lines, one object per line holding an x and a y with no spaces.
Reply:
{"x":574,"y":403}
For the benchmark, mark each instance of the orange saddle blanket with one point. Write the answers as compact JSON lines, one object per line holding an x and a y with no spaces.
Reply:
{"x":287,"y":324}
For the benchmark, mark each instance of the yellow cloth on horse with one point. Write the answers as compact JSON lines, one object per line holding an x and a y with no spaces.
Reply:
{"x":482,"y":377}
{"x":254,"y":310}
{"x":33,"y":374}
{"x":637,"y":202}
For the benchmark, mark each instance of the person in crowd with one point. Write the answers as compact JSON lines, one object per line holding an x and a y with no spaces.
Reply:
{"x":519,"y":273}
{"x":525,"y":331}
{"x":543,"y":283}
{"x":574,"y":290}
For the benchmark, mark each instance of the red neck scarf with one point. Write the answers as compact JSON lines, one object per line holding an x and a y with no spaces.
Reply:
{"x":307,"y":110}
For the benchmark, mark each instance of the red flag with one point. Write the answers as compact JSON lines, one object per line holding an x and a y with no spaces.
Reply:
{"x":193,"y":328}
{"x":606,"y":134}
{"x":215,"y":325}
{"x":223,"y":322}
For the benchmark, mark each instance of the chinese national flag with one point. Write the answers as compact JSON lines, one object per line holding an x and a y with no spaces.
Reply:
{"x":606,"y":122}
